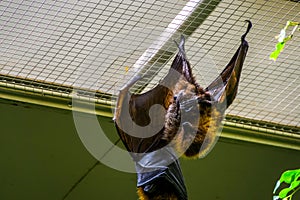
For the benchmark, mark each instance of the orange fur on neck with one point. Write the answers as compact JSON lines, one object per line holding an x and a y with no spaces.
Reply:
{"x":160,"y":196}
{"x":141,"y":194}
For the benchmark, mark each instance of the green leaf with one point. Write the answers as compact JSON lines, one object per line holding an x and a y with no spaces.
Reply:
{"x":295,"y":185}
{"x":290,"y":176}
{"x":284,"y":193}
{"x":283,"y":38}
{"x":279,"y":48}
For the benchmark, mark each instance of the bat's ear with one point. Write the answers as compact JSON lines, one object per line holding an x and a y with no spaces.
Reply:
{"x":224,"y":88}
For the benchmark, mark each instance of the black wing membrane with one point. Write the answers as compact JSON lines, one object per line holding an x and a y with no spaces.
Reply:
{"x":139,"y":131}
{"x":155,"y":132}
{"x":159,"y":174}
{"x":225,"y":91}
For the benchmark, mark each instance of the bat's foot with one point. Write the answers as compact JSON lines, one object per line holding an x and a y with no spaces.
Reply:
{"x":181,"y":45}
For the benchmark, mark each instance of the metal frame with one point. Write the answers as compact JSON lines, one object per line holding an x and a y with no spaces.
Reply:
{"x":232,"y":131}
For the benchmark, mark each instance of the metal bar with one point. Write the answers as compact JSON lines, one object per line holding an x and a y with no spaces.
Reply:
{"x":48,"y":98}
{"x":231,"y":131}
{"x":254,"y":135}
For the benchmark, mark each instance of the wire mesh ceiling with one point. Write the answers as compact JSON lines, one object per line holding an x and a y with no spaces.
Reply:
{"x":99,"y":46}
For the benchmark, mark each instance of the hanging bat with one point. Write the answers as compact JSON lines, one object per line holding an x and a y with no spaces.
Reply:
{"x":176,"y":118}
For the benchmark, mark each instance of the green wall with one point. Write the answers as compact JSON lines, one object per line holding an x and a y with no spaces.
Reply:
{"x":42,"y":157}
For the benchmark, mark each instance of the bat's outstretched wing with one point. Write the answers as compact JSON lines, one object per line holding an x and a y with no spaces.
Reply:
{"x":139,"y":118}
{"x":225,"y":87}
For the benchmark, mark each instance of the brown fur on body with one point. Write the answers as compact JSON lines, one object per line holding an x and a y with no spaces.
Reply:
{"x":202,"y":119}
{"x":198,"y":144}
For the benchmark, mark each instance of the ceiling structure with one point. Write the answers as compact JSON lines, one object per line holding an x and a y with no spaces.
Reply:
{"x":91,"y":49}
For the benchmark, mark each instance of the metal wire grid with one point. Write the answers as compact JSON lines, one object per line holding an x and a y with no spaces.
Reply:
{"x":95,"y":46}
{"x":268,"y":91}
{"x":65,"y":43}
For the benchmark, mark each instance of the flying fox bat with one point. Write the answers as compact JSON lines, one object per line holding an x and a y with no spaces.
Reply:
{"x":177,"y":117}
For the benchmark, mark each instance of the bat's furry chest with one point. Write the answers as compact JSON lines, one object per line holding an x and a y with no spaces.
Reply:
{"x":189,"y":118}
